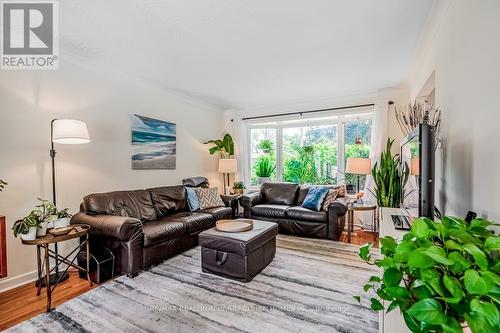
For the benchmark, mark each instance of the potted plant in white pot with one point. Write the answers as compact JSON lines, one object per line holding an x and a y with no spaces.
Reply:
{"x":390,"y":178}
{"x":27,"y":226}
{"x":48,"y":213}
{"x":264,"y":169}
{"x":443,"y":276}
{"x":62,"y":218}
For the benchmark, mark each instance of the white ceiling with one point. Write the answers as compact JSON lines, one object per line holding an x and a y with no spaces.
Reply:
{"x":245,"y":53}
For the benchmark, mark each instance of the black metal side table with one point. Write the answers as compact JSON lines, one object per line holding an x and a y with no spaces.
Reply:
{"x":360,"y":206}
{"x":44,"y":270}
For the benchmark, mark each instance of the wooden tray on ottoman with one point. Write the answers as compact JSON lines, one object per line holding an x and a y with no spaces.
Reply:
{"x":238,"y":225}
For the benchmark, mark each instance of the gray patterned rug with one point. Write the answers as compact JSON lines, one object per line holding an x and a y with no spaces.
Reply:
{"x":307,"y":288}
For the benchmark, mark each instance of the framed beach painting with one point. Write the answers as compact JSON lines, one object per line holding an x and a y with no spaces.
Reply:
{"x":153,"y":143}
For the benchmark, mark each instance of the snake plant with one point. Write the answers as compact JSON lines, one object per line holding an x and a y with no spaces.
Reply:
{"x":390,"y":178}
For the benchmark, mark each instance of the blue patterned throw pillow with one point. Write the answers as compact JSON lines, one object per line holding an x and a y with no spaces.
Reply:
{"x":315,"y":197}
{"x":192,"y":199}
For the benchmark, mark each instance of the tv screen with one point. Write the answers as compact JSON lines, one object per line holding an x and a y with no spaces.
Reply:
{"x":417,"y":154}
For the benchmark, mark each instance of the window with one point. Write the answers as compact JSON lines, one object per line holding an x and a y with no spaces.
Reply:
{"x":308,"y":151}
{"x":357,"y":138}
{"x":262,"y":155}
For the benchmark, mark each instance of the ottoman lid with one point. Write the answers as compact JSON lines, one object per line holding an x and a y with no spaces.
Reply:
{"x":241,"y":243}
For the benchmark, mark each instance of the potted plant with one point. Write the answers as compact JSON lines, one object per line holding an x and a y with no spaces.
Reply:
{"x":443,"y":276}
{"x":266,"y":146}
{"x":47,"y":213}
{"x":224,"y":147}
{"x":238,"y":188}
{"x":62,"y":219}
{"x":389,"y":178}
{"x":27,"y":226}
{"x":264,"y":169}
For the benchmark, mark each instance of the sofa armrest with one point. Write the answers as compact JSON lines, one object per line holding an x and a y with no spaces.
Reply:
{"x":336,"y":219}
{"x":232,"y":202}
{"x":248,"y":201}
{"x":119,"y":227}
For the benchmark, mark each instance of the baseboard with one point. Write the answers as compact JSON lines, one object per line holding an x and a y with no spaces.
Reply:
{"x":16,"y":281}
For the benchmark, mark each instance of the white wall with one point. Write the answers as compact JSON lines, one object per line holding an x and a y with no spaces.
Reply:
{"x":462,"y":46}
{"x":105,"y":100}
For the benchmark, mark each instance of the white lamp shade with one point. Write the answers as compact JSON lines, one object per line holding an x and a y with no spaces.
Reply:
{"x":228,"y":165}
{"x":359,"y":166}
{"x":70,"y":131}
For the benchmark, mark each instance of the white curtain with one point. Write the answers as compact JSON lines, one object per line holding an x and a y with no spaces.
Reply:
{"x":238,"y":130}
{"x":377,"y":145}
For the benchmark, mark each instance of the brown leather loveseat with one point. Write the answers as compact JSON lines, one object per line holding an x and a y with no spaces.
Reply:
{"x":281,"y":203}
{"x":144,"y":227}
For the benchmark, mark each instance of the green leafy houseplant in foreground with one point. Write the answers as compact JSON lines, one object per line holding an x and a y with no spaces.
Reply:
{"x":441,"y":276}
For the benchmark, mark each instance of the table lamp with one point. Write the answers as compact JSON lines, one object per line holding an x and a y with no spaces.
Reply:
{"x":226,"y":167}
{"x":64,"y":131}
{"x":358,"y":166}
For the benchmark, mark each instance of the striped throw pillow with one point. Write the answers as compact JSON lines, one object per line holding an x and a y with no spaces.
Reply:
{"x":330,"y":197}
{"x":209,"y":197}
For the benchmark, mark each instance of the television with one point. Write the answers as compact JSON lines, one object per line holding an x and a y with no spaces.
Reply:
{"x":417,"y":154}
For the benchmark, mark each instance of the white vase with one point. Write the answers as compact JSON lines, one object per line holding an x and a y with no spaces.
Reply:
{"x":42,"y":229}
{"x":262,"y":180}
{"x":61,"y":222}
{"x":31,"y":235}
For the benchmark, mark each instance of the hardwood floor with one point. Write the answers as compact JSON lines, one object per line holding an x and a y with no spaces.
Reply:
{"x":21,"y":303}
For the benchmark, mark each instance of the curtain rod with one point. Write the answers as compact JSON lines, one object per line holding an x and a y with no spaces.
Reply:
{"x":310,"y":111}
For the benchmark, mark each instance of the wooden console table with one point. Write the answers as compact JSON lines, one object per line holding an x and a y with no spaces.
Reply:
{"x":81,"y":230}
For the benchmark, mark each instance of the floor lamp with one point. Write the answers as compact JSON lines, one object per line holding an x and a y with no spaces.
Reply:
{"x":64,"y":131}
{"x":226,"y":167}
{"x":358,"y":166}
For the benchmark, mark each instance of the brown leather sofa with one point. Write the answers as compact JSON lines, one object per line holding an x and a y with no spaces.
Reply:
{"x":281,"y":203}
{"x":144,"y":227}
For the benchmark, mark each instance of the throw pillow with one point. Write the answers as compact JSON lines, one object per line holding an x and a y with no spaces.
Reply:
{"x":192,"y":199}
{"x":329,"y":198}
{"x":340,"y":190}
{"x":315,"y":197}
{"x":209,"y":197}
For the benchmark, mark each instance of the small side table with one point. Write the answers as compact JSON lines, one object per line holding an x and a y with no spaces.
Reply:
{"x":79,"y":230}
{"x":360,"y":206}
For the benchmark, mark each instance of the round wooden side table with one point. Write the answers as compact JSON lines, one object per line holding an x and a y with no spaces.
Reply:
{"x":360,"y":206}
{"x":79,"y":230}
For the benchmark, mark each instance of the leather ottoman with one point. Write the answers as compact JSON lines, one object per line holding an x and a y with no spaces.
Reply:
{"x":240,"y":256}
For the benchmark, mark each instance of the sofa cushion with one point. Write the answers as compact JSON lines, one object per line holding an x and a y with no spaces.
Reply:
{"x":270,"y":210}
{"x":304,"y":214}
{"x":168,"y":199}
{"x":315,"y":198}
{"x":136,"y":204}
{"x":304,"y":189}
{"x":192,"y":199}
{"x":193,"y":221}
{"x":219,"y":213}
{"x":162,"y":230}
{"x":209,"y":197}
{"x":279,"y":193}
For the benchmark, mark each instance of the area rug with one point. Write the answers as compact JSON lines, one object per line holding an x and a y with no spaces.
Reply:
{"x":307,"y":288}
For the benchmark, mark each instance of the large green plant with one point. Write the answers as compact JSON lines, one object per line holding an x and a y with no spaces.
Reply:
{"x":225,"y":146}
{"x":390,"y":177}
{"x":441,"y":274}
{"x":264,"y":166}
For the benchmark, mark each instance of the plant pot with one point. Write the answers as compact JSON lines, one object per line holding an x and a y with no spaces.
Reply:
{"x":31,"y":235}
{"x":61,"y":222}
{"x":262,"y":180}
{"x":238,"y":191}
{"x":42,"y":229}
